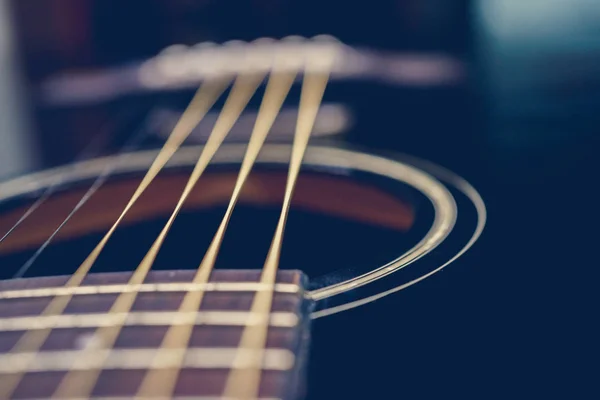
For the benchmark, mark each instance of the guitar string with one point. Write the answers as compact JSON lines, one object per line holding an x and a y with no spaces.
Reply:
{"x":162,"y":382}
{"x":244,"y":380}
{"x":81,"y":383}
{"x":32,"y":341}
{"x":274,"y":251}
{"x":88,"y":152}
{"x":130,"y":144}
{"x":297,"y":155}
{"x":204,"y":99}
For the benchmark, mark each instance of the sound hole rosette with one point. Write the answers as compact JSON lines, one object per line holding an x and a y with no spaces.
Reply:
{"x":422,"y":176}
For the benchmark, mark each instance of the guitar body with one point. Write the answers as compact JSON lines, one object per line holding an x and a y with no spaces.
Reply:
{"x":363,"y":225}
{"x":364,"y":277}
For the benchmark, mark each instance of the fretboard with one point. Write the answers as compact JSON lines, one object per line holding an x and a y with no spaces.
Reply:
{"x":209,"y":354}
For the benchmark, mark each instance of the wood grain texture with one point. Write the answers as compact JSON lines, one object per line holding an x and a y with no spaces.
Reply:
{"x":284,"y":384}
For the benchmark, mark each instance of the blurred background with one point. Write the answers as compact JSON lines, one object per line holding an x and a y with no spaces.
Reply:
{"x":530,"y":96}
{"x":522,"y":124}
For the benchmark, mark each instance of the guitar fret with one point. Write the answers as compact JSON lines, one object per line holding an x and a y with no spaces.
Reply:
{"x":220,"y":318}
{"x":148,"y":288}
{"x":150,"y":358}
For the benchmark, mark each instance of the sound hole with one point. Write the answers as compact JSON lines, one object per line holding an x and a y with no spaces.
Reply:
{"x":339,"y":225}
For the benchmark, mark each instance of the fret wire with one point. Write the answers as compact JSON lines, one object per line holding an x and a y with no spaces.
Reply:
{"x":198,"y":107}
{"x":155,"y":318}
{"x":274,"y":359}
{"x":162,"y":381}
{"x":75,"y":383}
{"x":244,"y":382}
{"x":146,"y":288}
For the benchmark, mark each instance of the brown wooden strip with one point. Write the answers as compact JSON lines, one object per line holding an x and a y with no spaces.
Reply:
{"x":327,"y":194}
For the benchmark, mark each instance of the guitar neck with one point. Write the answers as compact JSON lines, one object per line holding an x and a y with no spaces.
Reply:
{"x":209,"y":353}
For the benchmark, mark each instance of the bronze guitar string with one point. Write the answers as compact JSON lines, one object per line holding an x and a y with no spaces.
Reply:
{"x":81,"y":383}
{"x":161,"y":381}
{"x":244,"y":379}
{"x":31,"y":341}
{"x":277,"y":89}
{"x":175,"y":341}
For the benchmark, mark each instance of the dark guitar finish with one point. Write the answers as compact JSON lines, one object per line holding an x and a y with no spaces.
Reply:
{"x":23,"y":301}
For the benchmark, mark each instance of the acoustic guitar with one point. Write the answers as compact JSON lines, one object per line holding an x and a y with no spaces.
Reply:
{"x":193,"y":270}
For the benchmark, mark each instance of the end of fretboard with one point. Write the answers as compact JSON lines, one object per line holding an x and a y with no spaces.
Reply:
{"x":217,"y":328}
